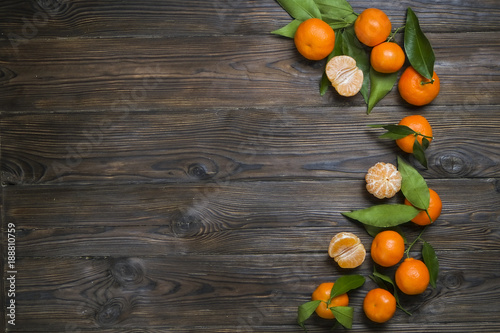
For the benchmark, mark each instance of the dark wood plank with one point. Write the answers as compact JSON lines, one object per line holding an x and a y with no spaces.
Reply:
{"x":155,"y":18}
{"x":221,"y":145}
{"x":285,"y":217}
{"x":93,"y":74}
{"x":196,"y":289}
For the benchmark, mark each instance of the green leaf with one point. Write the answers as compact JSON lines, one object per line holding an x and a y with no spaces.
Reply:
{"x":305,"y":311}
{"x":301,"y":9}
{"x":419,"y":153}
{"x":418,"y":48}
{"x":431,"y":261}
{"x":288,"y":30}
{"x":346,"y":283}
{"x":385,"y":215}
{"x":324,"y":84}
{"x":382,"y":281}
{"x":353,"y":48}
{"x":380,"y":85}
{"x":344,"y":315}
{"x":413,"y":185}
{"x":337,"y":13}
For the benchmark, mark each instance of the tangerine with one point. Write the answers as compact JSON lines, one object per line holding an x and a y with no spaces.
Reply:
{"x":347,"y":250}
{"x":412,"y":276}
{"x":387,"y":248}
{"x":322,"y":293}
{"x":314,"y":39}
{"x":379,"y":305}
{"x":387,"y":57}
{"x":372,"y":27}
{"x":416,"y":89}
{"x":434,"y":210}
{"x":422,"y":128}
{"x":383,"y":180}
{"x":345,"y":76}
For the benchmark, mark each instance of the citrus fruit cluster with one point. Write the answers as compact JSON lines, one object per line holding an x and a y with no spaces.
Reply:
{"x":361,"y":51}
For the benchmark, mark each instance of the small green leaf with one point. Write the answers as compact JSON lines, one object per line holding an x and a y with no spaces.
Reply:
{"x":394,"y":132}
{"x":413,"y":185}
{"x":353,"y":48}
{"x":344,"y":315}
{"x":345,"y":284}
{"x":417,"y":46}
{"x":301,"y":9}
{"x":380,"y":85}
{"x":324,"y":84}
{"x":288,"y":30}
{"x":382,"y":281}
{"x":425,"y":143}
{"x":305,"y":311}
{"x":337,"y":13}
{"x":372,"y":230}
{"x":419,"y":153}
{"x":431,"y":261}
{"x":385,"y":215}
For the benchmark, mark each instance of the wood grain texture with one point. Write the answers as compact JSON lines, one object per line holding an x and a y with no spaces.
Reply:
{"x":229,"y":218}
{"x":80,"y":18}
{"x":170,"y":166}
{"x":222,"y":145}
{"x":121,"y":292}
{"x":91,"y":74}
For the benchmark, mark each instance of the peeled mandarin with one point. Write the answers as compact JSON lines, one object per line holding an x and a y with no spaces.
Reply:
{"x":347,"y":250}
{"x":345,"y":76}
{"x":383,"y":180}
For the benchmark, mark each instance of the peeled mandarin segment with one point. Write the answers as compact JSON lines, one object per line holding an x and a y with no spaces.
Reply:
{"x":353,"y":257}
{"x":345,"y":77}
{"x":347,"y":250}
{"x":383,"y":180}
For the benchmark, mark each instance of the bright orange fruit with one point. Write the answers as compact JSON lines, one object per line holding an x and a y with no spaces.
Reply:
{"x":412,"y":276}
{"x":387,"y":57}
{"x":388,"y":248}
{"x":372,"y":27}
{"x":416,"y":89}
{"x":420,"y":125}
{"x":322,"y":293}
{"x":314,"y":39}
{"x":379,"y":305}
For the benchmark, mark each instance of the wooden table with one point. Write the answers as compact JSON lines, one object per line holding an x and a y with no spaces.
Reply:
{"x":170,"y":166}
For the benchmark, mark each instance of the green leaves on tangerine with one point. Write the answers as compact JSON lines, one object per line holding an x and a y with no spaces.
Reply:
{"x":301,"y":9}
{"x":384,"y":215}
{"x":395,"y":132}
{"x":413,"y":185}
{"x":380,"y":85}
{"x":431,"y":261}
{"x":417,"y":47}
{"x":343,"y":314}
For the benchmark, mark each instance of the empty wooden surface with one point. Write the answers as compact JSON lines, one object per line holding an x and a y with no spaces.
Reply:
{"x":170,"y":166}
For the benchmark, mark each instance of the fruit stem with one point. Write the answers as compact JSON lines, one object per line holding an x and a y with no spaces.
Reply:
{"x":391,"y":36}
{"x":428,"y":215}
{"x":413,"y":243}
{"x":427,"y":82}
{"x":423,"y":135}
{"x":404,"y":310}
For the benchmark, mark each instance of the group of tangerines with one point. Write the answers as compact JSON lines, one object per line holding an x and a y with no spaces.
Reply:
{"x":412,"y":277}
{"x":315,"y":40}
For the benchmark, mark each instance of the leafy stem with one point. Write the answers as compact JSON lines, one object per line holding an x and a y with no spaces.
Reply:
{"x":391,"y":36}
{"x":407,"y":252}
